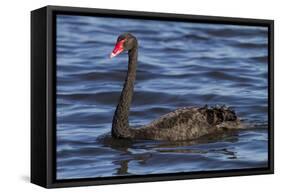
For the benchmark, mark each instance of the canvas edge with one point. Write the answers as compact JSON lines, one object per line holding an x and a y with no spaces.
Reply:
{"x":38,"y":169}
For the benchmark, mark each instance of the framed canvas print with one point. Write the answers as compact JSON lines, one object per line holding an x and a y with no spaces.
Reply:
{"x":125,"y":96}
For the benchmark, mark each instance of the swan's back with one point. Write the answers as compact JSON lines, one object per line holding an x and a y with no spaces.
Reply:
{"x":189,"y":123}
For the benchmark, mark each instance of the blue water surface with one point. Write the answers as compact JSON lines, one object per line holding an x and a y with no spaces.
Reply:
{"x":180,"y":64}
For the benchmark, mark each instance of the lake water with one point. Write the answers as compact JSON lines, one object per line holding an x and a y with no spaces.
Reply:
{"x":180,"y":64}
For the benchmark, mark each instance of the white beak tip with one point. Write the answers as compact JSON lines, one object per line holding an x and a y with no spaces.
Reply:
{"x":112,"y":55}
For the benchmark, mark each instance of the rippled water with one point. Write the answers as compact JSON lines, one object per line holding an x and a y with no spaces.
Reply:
{"x":180,"y":64}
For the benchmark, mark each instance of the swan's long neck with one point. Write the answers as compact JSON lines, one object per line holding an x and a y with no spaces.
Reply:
{"x":120,"y":124}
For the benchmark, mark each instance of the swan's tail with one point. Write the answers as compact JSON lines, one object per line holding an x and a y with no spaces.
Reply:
{"x":226,"y":117}
{"x":219,"y":114}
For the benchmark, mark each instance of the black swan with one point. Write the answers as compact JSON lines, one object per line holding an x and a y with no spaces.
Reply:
{"x":181,"y":124}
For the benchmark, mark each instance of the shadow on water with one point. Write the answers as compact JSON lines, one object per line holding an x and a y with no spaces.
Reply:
{"x":143,"y":150}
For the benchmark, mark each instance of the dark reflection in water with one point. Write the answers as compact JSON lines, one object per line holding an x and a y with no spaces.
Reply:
{"x":215,"y":144}
{"x":180,"y":64}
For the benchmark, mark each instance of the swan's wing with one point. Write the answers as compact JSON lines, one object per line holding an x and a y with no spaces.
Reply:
{"x":188,"y":123}
{"x":176,"y":125}
{"x":190,"y":116}
{"x":174,"y":118}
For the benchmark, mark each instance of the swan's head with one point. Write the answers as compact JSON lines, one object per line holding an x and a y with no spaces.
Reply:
{"x":125,"y":42}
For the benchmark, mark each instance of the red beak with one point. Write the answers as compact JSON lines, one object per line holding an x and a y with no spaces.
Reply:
{"x":117,"y":49}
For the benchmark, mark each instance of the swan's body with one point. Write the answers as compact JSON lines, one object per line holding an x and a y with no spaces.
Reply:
{"x":181,"y":124}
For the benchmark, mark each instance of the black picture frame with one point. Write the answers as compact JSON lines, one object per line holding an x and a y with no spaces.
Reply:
{"x":43,"y":96}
